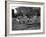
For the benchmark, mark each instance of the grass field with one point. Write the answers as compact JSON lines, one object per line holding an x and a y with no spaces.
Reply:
{"x":17,"y":26}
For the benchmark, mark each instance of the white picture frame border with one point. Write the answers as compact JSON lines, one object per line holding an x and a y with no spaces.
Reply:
{"x":9,"y":31}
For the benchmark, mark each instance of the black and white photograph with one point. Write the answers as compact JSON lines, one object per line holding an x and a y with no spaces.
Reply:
{"x":26,"y":18}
